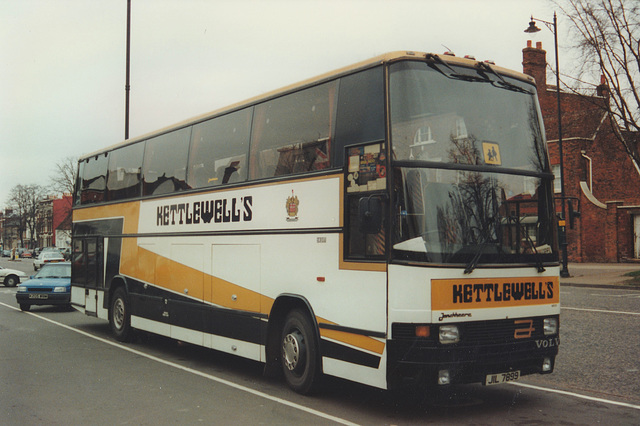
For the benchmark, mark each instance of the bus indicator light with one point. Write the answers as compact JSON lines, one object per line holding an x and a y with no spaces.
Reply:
{"x":423,"y":331}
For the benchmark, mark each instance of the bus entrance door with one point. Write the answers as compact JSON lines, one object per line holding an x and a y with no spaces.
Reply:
{"x":88,"y":271}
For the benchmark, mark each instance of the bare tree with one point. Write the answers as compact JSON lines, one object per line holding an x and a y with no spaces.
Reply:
{"x":607,"y":33}
{"x":64,"y":177}
{"x":25,"y":200}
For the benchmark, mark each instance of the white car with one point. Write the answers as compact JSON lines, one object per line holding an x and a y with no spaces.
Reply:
{"x":47,"y":257}
{"x":12,"y":277}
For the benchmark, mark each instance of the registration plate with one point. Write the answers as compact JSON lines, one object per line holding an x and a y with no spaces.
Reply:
{"x":499,"y":378}
{"x":38,"y":296}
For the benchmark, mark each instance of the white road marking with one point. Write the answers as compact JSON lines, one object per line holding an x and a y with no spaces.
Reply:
{"x":576,"y":395}
{"x":196,"y":372}
{"x":600,"y":311}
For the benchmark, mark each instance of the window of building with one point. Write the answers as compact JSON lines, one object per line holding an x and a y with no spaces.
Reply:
{"x":557,"y":181}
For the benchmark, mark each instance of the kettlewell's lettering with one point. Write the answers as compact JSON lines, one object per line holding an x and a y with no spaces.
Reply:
{"x":219,"y":211}
{"x":505,"y":291}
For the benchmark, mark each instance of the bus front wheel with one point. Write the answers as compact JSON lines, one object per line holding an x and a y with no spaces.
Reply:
{"x":119,"y":316}
{"x":299,"y":353}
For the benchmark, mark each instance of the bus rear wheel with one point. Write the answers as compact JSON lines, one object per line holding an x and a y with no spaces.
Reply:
{"x":299,"y":353}
{"x":120,"y":317}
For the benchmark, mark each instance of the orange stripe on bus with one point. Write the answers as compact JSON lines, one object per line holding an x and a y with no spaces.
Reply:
{"x":129,"y":211}
{"x":357,"y":340}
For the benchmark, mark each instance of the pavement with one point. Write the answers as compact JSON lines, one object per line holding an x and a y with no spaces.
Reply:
{"x":604,"y":275}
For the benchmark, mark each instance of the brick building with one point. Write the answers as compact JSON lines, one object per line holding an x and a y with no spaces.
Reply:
{"x":598,"y":172}
{"x":54,"y":222}
{"x":61,"y":221}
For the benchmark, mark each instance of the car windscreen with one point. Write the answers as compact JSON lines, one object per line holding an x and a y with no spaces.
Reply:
{"x":54,"y":271}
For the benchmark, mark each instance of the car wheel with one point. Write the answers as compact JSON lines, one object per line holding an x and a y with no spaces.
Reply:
{"x":11,"y":281}
{"x":25,"y":307}
{"x":299,"y":353}
{"x":119,"y":316}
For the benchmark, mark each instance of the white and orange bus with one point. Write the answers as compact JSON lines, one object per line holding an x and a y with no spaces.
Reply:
{"x":390,"y":223}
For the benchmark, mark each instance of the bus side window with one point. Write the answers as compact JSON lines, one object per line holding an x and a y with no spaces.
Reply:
{"x":165,"y":159}
{"x":360,"y":111}
{"x":123,"y":179}
{"x":291,"y":134}
{"x":94,"y":179}
{"x":219,"y":148}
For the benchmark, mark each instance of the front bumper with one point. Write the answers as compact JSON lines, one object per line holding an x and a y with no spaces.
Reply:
{"x":486,"y":348}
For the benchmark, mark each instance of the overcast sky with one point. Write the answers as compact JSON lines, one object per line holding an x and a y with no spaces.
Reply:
{"x":62,"y":63}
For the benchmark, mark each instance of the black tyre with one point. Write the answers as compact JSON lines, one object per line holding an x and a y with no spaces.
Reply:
{"x":120,"y":317}
{"x":25,"y":307}
{"x":11,"y":281}
{"x":299,"y":353}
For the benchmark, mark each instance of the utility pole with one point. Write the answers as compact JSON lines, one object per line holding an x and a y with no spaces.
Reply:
{"x":127,"y":87}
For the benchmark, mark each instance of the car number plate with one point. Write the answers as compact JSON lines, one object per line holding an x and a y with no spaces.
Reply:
{"x":499,"y":378}
{"x":38,"y":296}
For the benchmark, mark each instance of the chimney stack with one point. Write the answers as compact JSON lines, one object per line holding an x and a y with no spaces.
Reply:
{"x":534,"y":63}
{"x":603,"y":88}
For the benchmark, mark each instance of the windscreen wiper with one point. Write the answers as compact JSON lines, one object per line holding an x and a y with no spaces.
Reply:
{"x":476,"y":257}
{"x":434,"y":61}
{"x":536,"y":255}
{"x":484,"y":67}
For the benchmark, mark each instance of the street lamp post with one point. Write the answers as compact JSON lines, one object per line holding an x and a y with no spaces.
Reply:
{"x":553,"y":26}
{"x":127,"y":76}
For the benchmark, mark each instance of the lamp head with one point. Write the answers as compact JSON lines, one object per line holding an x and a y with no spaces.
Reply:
{"x":532,"y":27}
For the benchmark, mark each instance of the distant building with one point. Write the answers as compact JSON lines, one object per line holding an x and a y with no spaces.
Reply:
{"x":9,"y":229}
{"x":598,"y":173}
{"x":53,"y":222}
{"x":62,"y":221}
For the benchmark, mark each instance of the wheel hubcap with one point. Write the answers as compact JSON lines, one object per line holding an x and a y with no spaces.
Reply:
{"x":293,"y":350}
{"x":118,"y":313}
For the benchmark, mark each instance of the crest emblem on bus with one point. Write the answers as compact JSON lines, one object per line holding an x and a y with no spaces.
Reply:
{"x":292,"y":207}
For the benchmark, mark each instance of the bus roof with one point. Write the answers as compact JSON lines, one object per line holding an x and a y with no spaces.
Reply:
{"x":378,"y":60}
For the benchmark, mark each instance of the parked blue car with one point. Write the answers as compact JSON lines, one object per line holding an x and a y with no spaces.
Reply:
{"x":50,"y":286}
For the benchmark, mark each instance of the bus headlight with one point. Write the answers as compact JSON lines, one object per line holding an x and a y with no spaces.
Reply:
{"x":550,"y":326}
{"x":449,"y":334}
